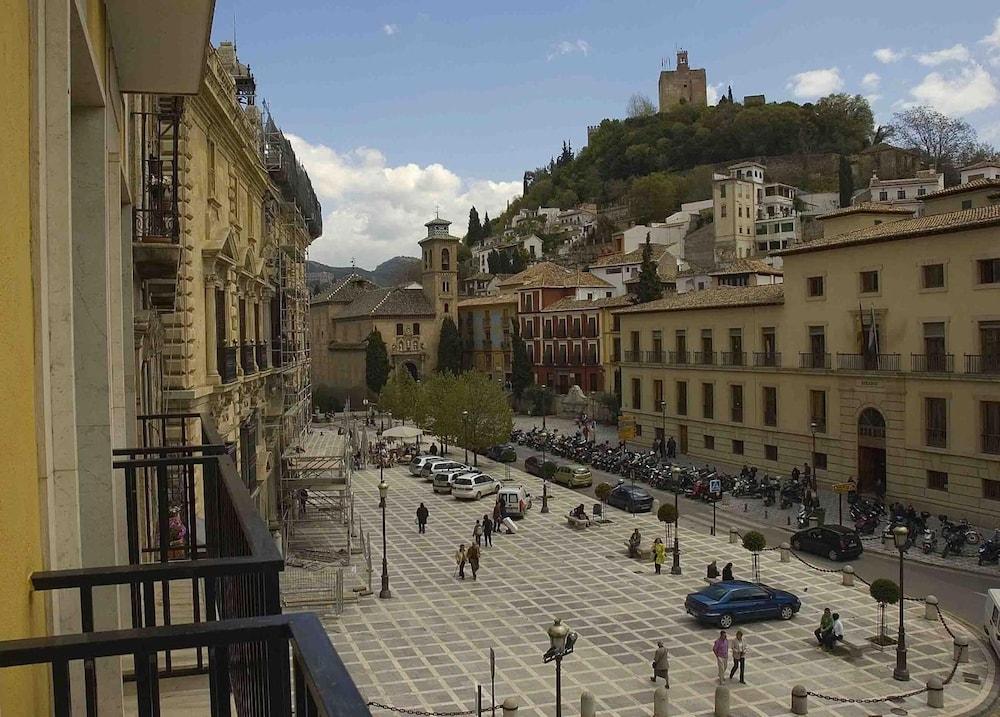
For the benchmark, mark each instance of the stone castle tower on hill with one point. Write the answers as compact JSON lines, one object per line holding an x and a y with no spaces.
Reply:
{"x":683,"y":85}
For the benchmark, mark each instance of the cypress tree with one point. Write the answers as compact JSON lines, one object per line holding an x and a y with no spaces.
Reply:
{"x":449,"y":358}
{"x":475,"y":231}
{"x":648,"y":287}
{"x":846,"y":177}
{"x":376,"y":362}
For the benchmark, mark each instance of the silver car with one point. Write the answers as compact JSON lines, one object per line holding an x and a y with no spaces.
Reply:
{"x":438,"y":466}
{"x":474,"y":486}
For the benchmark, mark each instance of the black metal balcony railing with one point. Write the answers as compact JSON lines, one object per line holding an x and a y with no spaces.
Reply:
{"x":575,"y":333}
{"x":932,"y":363}
{"x":155,"y":218}
{"x":814,"y":360}
{"x":656,"y":357}
{"x":227,"y":363}
{"x":248,"y":355}
{"x":276,"y":353}
{"x":591,"y":360}
{"x":705,"y":358}
{"x":547,"y":361}
{"x":868,"y":362}
{"x":560,"y":333}
{"x":991,"y":443}
{"x":936,"y":437}
{"x":262,"y":353}
{"x":229,"y":573}
{"x":679,"y":357}
{"x":633,"y":356}
{"x":818,"y":423}
{"x":767,"y":359}
{"x":982,"y":363}
{"x":734,"y":358}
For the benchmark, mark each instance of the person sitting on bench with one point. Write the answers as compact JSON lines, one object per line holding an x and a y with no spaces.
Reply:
{"x":836,"y":633}
{"x":579,"y":512}
{"x":712,"y":573}
{"x":633,"y":544}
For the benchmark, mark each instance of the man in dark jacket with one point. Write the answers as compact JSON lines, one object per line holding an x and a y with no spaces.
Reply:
{"x":487,"y":531}
{"x":422,"y":514}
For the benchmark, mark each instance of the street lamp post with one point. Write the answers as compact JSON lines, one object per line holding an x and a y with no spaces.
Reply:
{"x":545,"y":408}
{"x":663,"y":425}
{"x":465,"y":434}
{"x":545,"y":480}
{"x":813,"y":427}
{"x":561,"y":643}
{"x":899,"y":536}
{"x":675,"y":569}
{"x":383,"y":489}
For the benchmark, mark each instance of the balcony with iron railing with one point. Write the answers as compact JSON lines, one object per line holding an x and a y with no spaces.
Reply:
{"x":656,"y":357}
{"x":248,"y":355}
{"x":546,"y":333}
{"x":679,"y":358}
{"x":734,"y":358}
{"x":590,"y":332}
{"x":560,"y":332}
{"x":192,"y":534}
{"x":814,"y":360}
{"x":991,"y":443}
{"x":704,"y":358}
{"x":936,"y":437}
{"x":262,"y":356}
{"x":575,"y":332}
{"x":228,"y":357}
{"x":633,"y":356}
{"x":932,"y":363}
{"x":868,"y":362}
{"x":767,"y":359}
{"x":982,"y":363}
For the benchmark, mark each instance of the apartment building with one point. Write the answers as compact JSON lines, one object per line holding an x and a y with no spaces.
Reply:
{"x":877,"y":358}
{"x":486,"y":324}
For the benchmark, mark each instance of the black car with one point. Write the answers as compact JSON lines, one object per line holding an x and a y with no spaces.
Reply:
{"x":502,"y":453}
{"x":533,"y":465}
{"x":835,"y":542}
{"x":630,"y":498}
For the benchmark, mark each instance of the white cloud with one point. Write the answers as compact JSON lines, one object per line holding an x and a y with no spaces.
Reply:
{"x":374,"y":211}
{"x":872,"y":99}
{"x":956,"y":53}
{"x":713,"y":92}
{"x":569,"y":47}
{"x":816,"y":83}
{"x":870,"y":81}
{"x":993,"y":39}
{"x":390,"y":29}
{"x":970,"y":90}
{"x":990,"y":133}
{"x":887,"y":55}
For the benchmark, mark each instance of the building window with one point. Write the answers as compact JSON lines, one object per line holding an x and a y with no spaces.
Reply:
{"x":636,"y":394}
{"x":444,"y":287}
{"x":936,"y":422}
{"x":710,"y":444}
{"x":814,"y":286}
{"x":399,"y":329}
{"x":722,"y":210}
{"x":638,"y":430}
{"x":921,"y":191}
{"x":737,"y":447}
{"x":817,"y":346}
{"x":966,"y":204}
{"x":445,"y":260}
{"x":933,"y":276}
{"x":819,"y":461}
{"x":990,"y":426}
{"x":989,"y":271}
{"x":736,"y":403}
{"x":937,"y":480}
{"x":817,"y":410}
{"x":722,"y":191}
{"x":770,"y":400}
{"x":446,"y":308}
{"x":657,"y":394}
{"x":211,"y":169}
{"x":770,"y":453}
{"x":682,"y":398}
{"x":869,"y":282}
{"x":883,"y":196}
{"x":416,"y":329}
{"x":593,"y":382}
{"x":788,"y":226}
{"x":900,"y":194}
{"x":708,"y":400}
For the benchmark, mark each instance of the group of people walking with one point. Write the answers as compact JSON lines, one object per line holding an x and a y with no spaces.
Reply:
{"x":665,"y":449}
{"x":721,"y":649}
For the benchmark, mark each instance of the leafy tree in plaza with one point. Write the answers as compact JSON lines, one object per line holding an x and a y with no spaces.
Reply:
{"x":845,"y":181}
{"x":667,"y":514}
{"x":755,"y":542}
{"x":521,"y":375}
{"x":400,"y":396}
{"x":325,"y":400}
{"x":376,"y":362}
{"x":474,"y":234}
{"x":884,"y":592}
{"x":602,"y":492}
{"x":540,"y":398}
{"x":489,"y":419}
{"x":649,"y":287}
{"x":449,"y":358}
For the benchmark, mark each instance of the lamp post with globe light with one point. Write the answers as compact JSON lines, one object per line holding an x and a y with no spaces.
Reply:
{"x":383,"y":490}
{"x":561,"y":643}
{"x":675,"y":568}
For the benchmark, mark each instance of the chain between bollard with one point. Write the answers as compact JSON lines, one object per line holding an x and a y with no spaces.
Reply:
{"x":887,"y":698}
{"x":424,"y":713}
{"x":906,"y":598}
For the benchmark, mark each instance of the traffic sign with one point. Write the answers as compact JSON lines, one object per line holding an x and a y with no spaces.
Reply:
{"x":715,"y":486}
{"x":626,"y":428}
{"x":843,"y":487}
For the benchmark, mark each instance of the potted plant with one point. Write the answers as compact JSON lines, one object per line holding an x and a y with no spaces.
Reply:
{"x":667,"y":514}
{"x":884,"y":592}
{"x":755,"y":542}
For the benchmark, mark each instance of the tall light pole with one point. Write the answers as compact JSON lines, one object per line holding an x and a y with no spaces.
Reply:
{"x":813,"y":427}
{"x":465,"y":434}
{"x":561,"y":643}
{"x":675,"y":569}
{"x":663,"y":426}
{"x":899,"y":536}
{"x":545,"y":408}
{"x":383,"y":490}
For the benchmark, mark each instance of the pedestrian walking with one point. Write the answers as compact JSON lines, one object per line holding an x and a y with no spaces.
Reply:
{"x":659,"y":555}
{"x":661,"y":664}
{"x":422,"y":514}
{"x":739,"y":656}
{"x":671,"y":447}
{"x":795,"y":474}
{"x":720,"y":648}
{"x":477,"y":532}
{"x":472,"y":554}
{"x":460,"y":558}
{"x":497,"y":517}
{"x":825,"y":625}
{"x":727,"y":572}
{"x":487,"y":531}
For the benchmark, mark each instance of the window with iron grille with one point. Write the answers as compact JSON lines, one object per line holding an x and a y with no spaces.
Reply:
{"x":937,"y":480}
{"x":869,"y":282}
{"x":736,"y":403}
{"x":770,"y":401}
{"x":708,"y":400}
{"x":682,"y":398}
{"x":936,"y":422}
{"x":709,"y":442}
{"x":770,"y":453}
{"x":989,"y":271}
{"x":932,"y":276}
{"x":991,"y":489}
{"x":738,"y":447}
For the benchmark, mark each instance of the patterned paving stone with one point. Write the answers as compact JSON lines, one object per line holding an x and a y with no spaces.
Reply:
{"x":427,"y":647}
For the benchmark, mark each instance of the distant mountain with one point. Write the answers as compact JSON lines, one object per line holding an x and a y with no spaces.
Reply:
{"x":398,"y":270}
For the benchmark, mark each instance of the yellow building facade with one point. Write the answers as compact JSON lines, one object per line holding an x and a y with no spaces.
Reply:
{"x":878,"y":358}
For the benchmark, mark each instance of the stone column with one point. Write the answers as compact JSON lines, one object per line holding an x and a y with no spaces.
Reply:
{"x":509,"y":707}
{"x":587,"y":706}
{"x":785,"y":548}
{"x":800,"y":700}
{"x":721,"y":701}
{"x":661,"y":702}
{"x":935,"y":693}
{"x":931,"y":608}
{"x":961,"y":645}
{"x":848,"y":576}
{"x":211,"y":347}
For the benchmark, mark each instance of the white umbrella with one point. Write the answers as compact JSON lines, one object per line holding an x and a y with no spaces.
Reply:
{"x":403,"y":432}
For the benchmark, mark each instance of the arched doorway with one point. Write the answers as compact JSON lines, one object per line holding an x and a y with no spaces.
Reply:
{"x":412,"y":368}
{"x":871,"y":451}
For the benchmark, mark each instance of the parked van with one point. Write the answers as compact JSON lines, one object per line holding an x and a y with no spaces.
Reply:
{"x":573,"y":476}
{"x":515,"y":500}
{"x":443,"y":479}
{"x":991,"y":618}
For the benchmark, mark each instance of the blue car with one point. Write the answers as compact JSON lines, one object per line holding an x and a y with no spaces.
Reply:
{"x":732,"y":601}
{"x":630,"y":498}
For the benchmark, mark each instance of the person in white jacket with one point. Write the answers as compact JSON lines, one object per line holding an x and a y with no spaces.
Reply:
{"x":739,"y":649}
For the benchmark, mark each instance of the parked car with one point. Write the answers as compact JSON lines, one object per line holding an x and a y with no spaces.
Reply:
{"x":515,"y":499}
{"x":474,"y":486}
{"x":533,"y":465}
{"x":633,"y":499}
{"x":836,"y":542}
{"x":441,"y":464}
{"x":417,"y":464}
{"x":503,"y":453}
{"x":732,"y":601}
{"x":573,"y":476}
{"x":442,"y":479}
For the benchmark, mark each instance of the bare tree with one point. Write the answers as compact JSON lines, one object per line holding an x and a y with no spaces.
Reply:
{"x":640,"y":106}
{"x":939,"y":139}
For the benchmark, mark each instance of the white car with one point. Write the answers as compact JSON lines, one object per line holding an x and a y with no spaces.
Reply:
{"x":440,"y":466}
{"x":418,"y":463}
{"x":443,"y":479}
{"x":474,"y":486}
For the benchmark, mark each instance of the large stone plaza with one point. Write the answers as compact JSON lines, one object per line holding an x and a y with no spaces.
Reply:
{"x":427,"y":647}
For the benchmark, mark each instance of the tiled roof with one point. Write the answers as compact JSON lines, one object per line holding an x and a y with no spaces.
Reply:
{"x":396,"y":301}
{"x":345,"y":290}
{"x":746,"y":266}
{"x":547,"y":274}
{"x":542,"y":268}
{"x":974,"y":186}
{"x":633,"y":257}
{"x":982,"y":165}
{"x":489,"y":300}
{"x":867,"y":208}
{"x":720,"y":298}
{"x":570,"y":303}
{"x":905,"y":229}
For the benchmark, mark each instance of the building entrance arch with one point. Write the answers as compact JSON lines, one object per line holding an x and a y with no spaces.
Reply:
{"x":412,"y":368}
{"x":871,"y":451}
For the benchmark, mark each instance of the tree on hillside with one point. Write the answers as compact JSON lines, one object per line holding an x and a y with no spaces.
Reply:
{"x":474,"y":234}
{"x":939,"y":139}
{"x":604,"y":229}
{"x":845,"y":181}
{"x":653,"y":198}
{"x":449,"y":358}
{"x":487,"y":231}
{"x":648,"y":287}
{"x":376,"y":362}
{"x":521,"y":375}
{"x":640,"y":106}
{"x":845,"y":120}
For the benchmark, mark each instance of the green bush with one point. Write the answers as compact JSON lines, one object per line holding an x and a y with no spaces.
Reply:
{"x":602,"y":491}
{"x":884,"y":591}
{"x":667,"y":513}
{"x":754,"y":541}
{"x":548,"y":470}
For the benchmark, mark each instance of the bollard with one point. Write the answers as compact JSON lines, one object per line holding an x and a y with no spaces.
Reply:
{"x":587,"y":706}
{"x":935,"y":693}
{"x":661,"y":703}
{"x":509,"y":707}
{"x":721,"y":701}
{"x":961,"y":648}
{"x":656,"y":507}
{"x":765,"y":513}
{"x":848,"y":574}
{"x":930,"y":608}
{"x":785,"y":548}
{"x":744,"y":507}
{"x":733,"y":535}
{"x":800,"y":700}
{"x":788,"y":519}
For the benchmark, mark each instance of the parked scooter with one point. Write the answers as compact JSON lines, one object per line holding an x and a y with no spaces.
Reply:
{"x":989,"y":551}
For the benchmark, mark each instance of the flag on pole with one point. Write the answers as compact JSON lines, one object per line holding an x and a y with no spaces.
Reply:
{"x":874,"y":333}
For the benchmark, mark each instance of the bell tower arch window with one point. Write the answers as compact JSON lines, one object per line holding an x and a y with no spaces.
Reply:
{"x":445,"y":260}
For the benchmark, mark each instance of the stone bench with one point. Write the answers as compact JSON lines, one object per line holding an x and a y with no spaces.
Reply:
{"x":644,"y":551}
{"x":850,"y":649}
{"x":577,"y":523}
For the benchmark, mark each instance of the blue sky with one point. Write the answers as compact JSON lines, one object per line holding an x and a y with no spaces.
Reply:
{"x":398,"y":107}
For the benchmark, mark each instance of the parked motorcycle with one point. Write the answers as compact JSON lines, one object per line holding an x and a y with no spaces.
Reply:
{"x":989,"y":551}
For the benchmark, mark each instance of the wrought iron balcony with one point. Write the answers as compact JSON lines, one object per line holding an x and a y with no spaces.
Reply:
{"x":262,"y":355}
{"x":656,"y":357}
{"x":227,"y":363}
{"x":814,"y":360}
{"x":982,"y":363}
{"x":679,"y":357}
{"x":590,"y":332}
{"x":936,"y":437}
{"x":704,"y":358}
{"x":247,"y":358}
{"x":546,"y":333}
{"x":633,"y":356}
{"x":734,"y":358}
{"x":767,"y":359}
{"x":932,"y":363}
{"x":868,"y":362}
{"x":991,"y":443}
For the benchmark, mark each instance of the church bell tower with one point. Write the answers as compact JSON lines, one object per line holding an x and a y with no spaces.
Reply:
{"x":440,"y":272}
